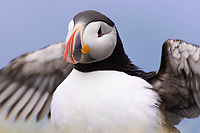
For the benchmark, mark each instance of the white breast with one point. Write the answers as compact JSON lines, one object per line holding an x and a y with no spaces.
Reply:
{"x":105,"y":101}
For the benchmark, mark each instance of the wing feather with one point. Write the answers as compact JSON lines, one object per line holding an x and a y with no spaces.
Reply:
{"x":28,"y":82}
{"x":29,"y":106}
{"x":178,"y":79}
{"x":38,"y":106}
{"x":13,"y":111}
{"x":8,"y":103}
{"x":8,"y":91}
{"x":45,"y":109}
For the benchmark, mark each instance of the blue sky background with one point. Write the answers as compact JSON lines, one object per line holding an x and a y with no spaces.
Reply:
{"x":143,"y":26}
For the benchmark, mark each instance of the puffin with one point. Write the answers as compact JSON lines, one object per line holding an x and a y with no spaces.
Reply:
{"x":88,"y":84}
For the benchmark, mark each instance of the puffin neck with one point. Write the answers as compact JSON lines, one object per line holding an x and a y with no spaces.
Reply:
{"x":117,"y":61}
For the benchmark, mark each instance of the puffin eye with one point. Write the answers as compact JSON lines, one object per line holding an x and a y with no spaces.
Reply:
{"x":100,"y":33}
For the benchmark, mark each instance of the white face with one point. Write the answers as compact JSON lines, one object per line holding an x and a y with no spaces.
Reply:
{"x":100,"y":47}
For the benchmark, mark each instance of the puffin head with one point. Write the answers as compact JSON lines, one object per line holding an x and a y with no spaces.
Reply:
{"x":91,"y":37}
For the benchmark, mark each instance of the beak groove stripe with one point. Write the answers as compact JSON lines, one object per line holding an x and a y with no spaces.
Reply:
{"x":69,"y":48}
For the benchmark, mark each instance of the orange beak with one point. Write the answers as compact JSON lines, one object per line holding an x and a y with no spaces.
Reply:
{"x":75,"y":47}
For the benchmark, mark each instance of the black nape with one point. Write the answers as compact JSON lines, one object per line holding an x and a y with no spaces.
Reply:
{"x":117,"y":61}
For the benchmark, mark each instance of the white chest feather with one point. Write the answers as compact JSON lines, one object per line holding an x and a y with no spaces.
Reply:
{"x":105,"y":101}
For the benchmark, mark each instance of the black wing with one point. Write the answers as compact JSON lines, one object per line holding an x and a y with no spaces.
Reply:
{"x":28,"y":82}
{"x":178,"y":80}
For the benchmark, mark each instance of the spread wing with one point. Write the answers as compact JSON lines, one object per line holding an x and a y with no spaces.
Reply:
{"x":178,"y":80}
{"x":28,"y":82}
